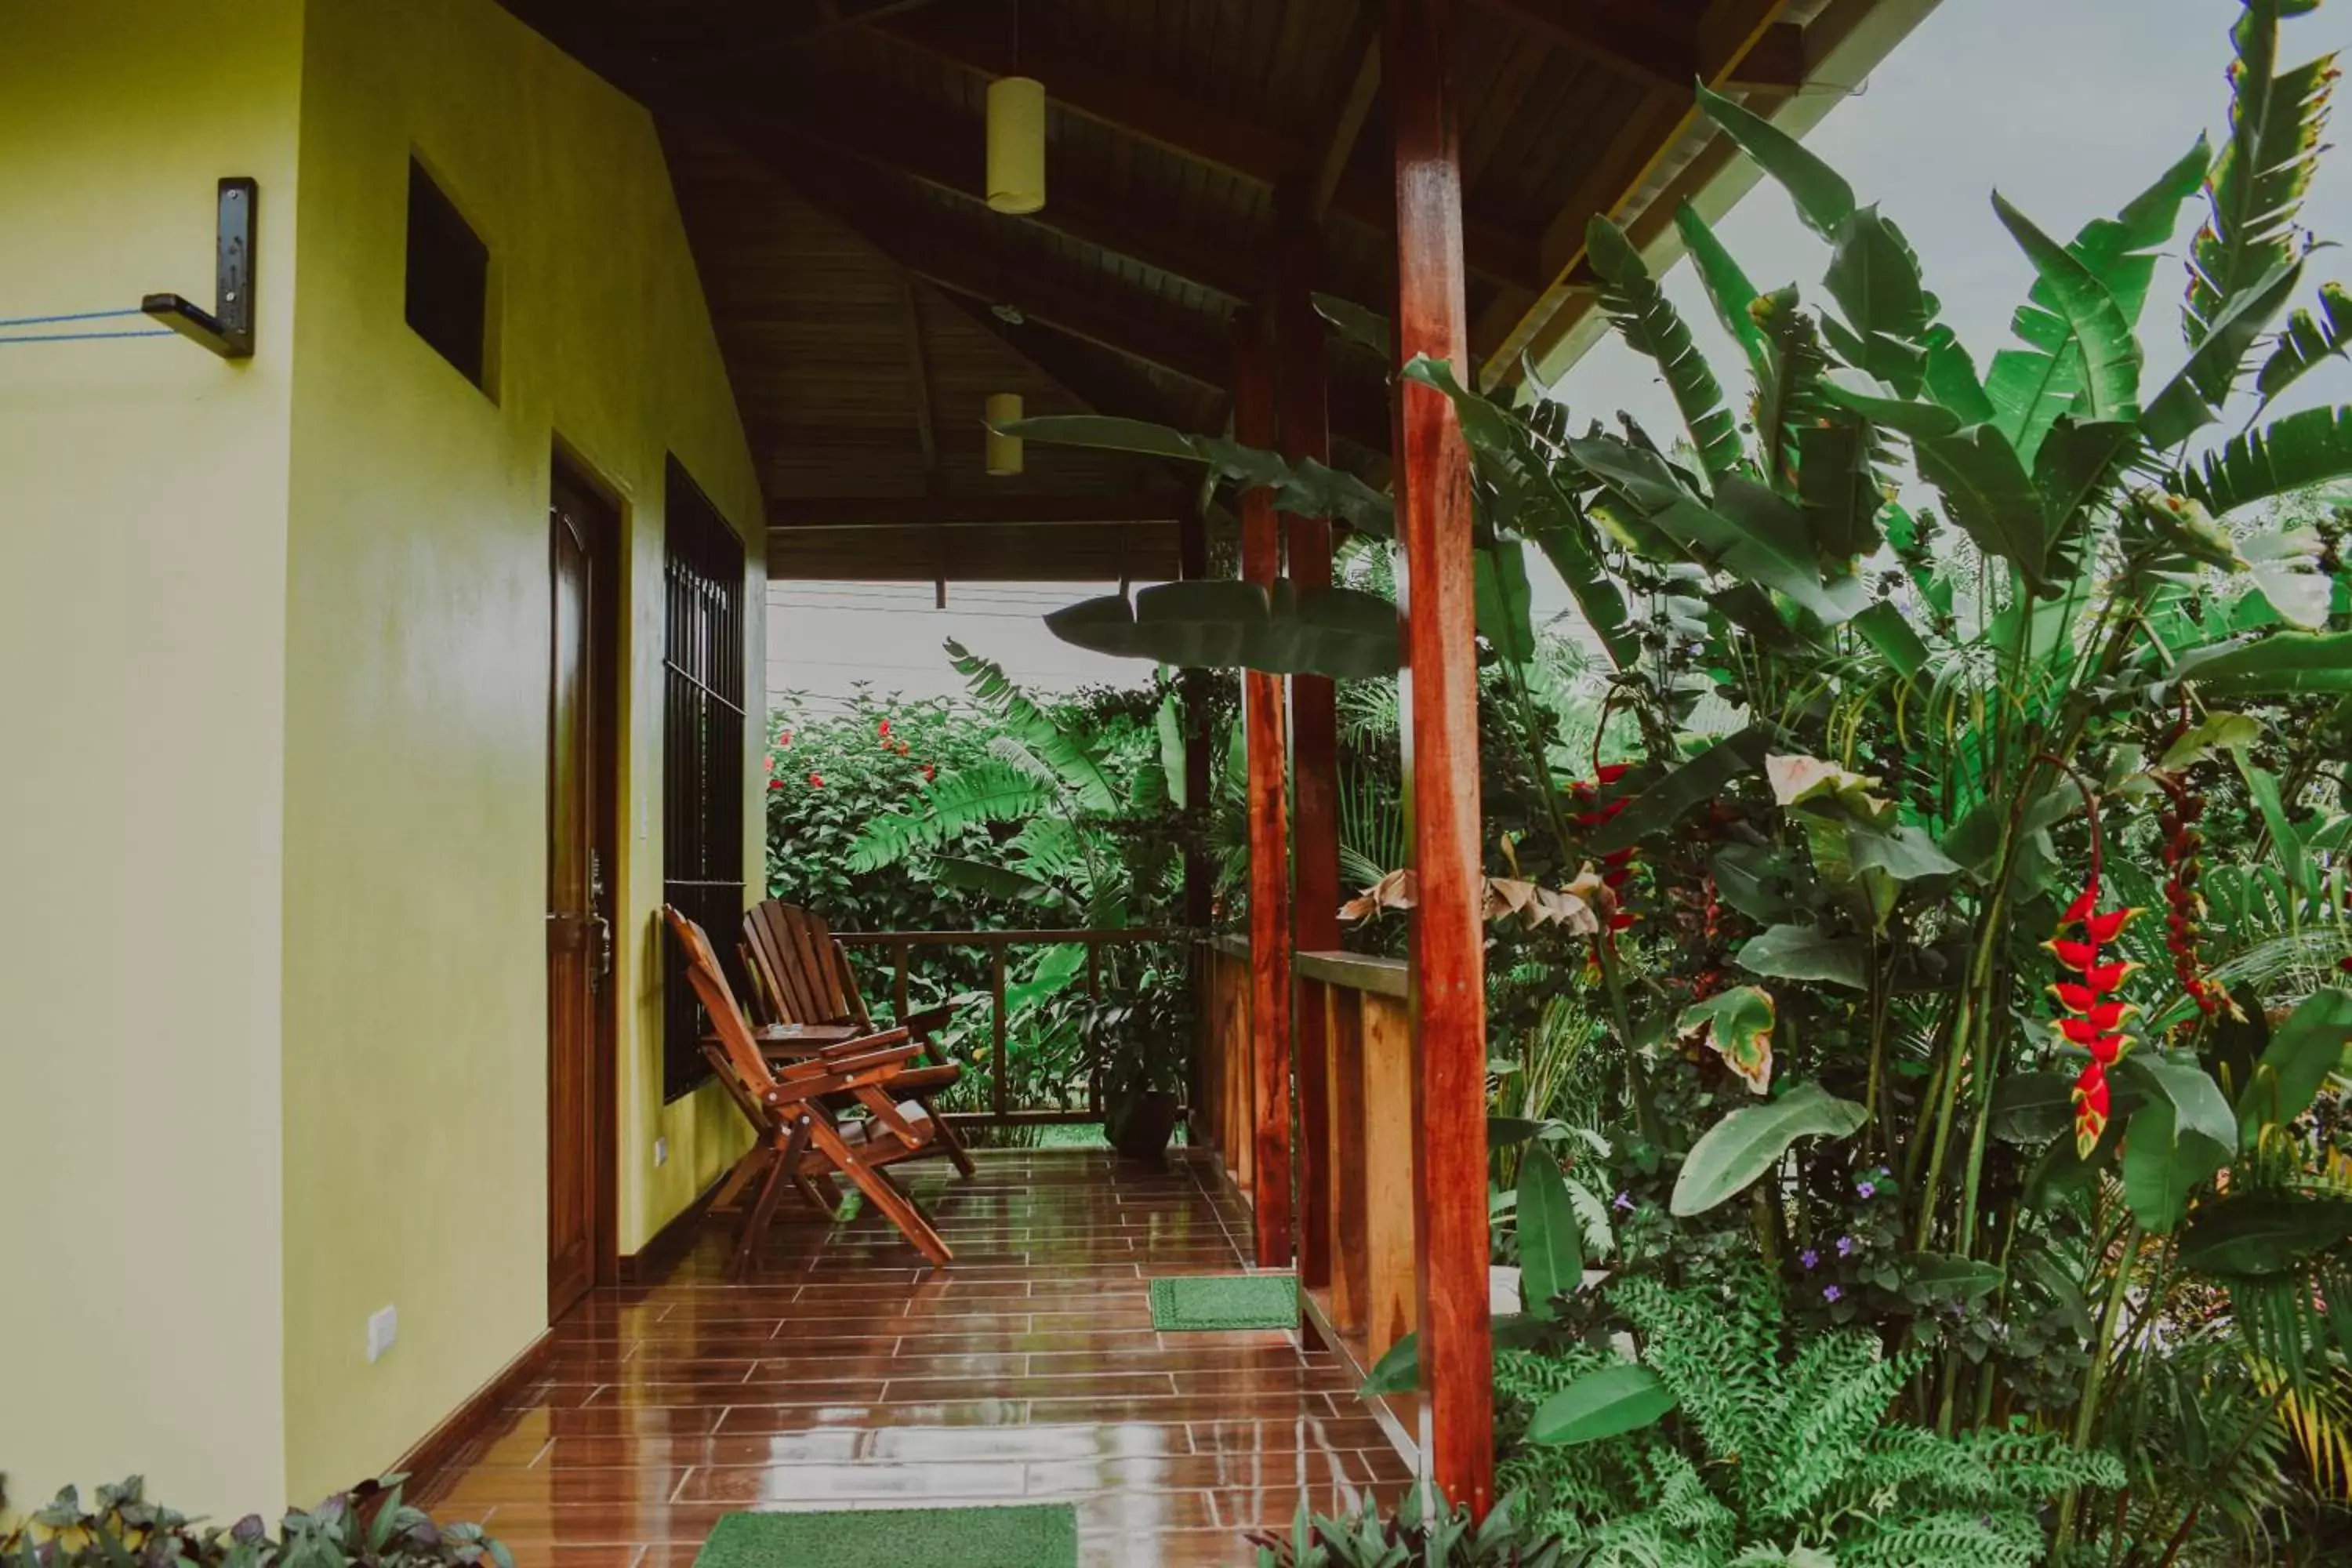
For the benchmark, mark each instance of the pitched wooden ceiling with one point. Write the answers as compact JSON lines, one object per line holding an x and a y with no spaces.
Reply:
{"x":827,"y":156}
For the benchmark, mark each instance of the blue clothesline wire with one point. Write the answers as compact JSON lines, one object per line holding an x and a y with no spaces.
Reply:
{"x":68,"y":316}
{"x":85,"y":337}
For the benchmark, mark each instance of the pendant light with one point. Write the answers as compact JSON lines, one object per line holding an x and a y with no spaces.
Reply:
{"x":1016,"y":136}
{"x":1002,"y":453}
{"x":1016,"y":144}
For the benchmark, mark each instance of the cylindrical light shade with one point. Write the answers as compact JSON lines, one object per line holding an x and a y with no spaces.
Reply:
{"x":1016,"y":144}
{"x":1003,"y":452}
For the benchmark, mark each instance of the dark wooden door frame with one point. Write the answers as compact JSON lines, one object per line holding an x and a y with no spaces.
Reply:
{"x":602,"y":526}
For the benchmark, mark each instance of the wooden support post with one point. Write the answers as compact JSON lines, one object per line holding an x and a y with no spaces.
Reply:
{"x":1200,"y":866}
{"x":1441,"y":742}
{"x":1263,"y":733}
{"x":1314,"y":721}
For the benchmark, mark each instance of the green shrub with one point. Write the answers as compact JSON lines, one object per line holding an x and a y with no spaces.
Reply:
{"x":370,"y":1526}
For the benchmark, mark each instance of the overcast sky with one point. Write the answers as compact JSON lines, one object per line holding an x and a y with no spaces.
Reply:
{"x":2070,"y":107}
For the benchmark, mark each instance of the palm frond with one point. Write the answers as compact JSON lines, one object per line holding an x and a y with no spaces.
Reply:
{"x":2257,"y":187}
{"x":990,"y":791}
{"x":1071,"y":760}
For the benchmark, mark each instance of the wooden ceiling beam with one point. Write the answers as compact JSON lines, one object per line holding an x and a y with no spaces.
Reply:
{"x":1638,"y":42}
{"x":815,"y":514}
{"x":1147,"y":111}
{"x":922,"y":144}
{"x":919,"y":372}
{"x":1726,"y":33}
{"x":1347,"y":122}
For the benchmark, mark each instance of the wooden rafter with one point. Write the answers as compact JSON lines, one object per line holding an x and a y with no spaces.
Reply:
{"x":1653,"y":46}
{"x":1347,"y":121}
{"x":1726,"y":33}
{"x":922,"y":144}
{"x":918,"y":374}
{"x":1151,"y":112}
{"x":817,"y":513}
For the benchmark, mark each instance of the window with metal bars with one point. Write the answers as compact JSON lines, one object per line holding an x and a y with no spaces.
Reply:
{"x":702,"y":758}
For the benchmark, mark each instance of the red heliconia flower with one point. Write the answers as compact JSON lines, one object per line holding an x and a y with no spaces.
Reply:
{"x":883,"y":729}
{"x":816,"y":780}
{"x":2106,"y":1048}
{"x":2074,"y":997}
{"x":2105,"y":977}
{"x":1610,"y":772}
{"x":2105,"y":928}
{"x":2075,"y":955}
{"x":1624,"y":920}
{"x":2080,"y":910}
{"x":775,"y":784}
{"x":2079,"y":1031}
{"x":930,"y":773}
{"x":2091,"y":1107}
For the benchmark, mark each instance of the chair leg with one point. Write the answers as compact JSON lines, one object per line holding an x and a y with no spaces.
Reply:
{"x":950,"y":1141}
{"x":748,"y":1170}
{"x":763,"y":1212}
{"x":884,"y":1194}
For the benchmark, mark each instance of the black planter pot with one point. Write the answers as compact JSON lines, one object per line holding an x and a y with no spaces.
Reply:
{"x":1145,"y":1125}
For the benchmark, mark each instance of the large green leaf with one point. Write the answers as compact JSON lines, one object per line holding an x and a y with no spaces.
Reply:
{"x":1643,"y":317}
{"x":2306,"y":341}
{"x":2302,"y":1052}
{"x":2032,"y":1108}
{"x":1366,"y":329}
{"x":1552,"y":1240}
{"x":1343,"y":633}
{"x":1874,"y":277}
{"x":992,"y":880}
{"x":2278,"y":666}
{"x":1304,"y":489}
{"x":2162,"y":1165}
{"x":1398,"y":1369}
{"x":2256,"y":190}
{"x":1731,"y":1154}
{"x":1169,"y":725}
{"x":1789,"y":389}
{"x":1505,"y":599}
{"x":1823,"y":198}
{"x":1915,"y":419}
{"x":1663,"y":803}
{"x":2197,"y":1102}
{"x":988,"y":791}
{"x":2110,"y":353}
{"x":1806,"y":953}
{"x":1883,"y":626}
{"x":1728,"y":288}
{"x":2303,"y":449}
{"x":2188,"y":401}
{"x":2249,"y":1235}
{"x":1991,"y":497}
{"x":1609,"y":1402}
{"x":1525,"y":496}
{"x":1841,"y":491}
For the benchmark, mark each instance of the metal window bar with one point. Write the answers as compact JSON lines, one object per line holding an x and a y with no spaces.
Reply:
{"x":703,"y":724}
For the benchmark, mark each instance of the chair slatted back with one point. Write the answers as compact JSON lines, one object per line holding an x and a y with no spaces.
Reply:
{"x":710,"y":981}
{"x":792,"y":951}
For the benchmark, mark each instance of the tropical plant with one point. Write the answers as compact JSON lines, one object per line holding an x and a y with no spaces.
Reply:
{"x":1728,"y":1439}
{"x":368,"y":1527}
{"x":1408,"y":1538}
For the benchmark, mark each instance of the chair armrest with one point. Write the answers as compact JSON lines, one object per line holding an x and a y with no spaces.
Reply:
{"x":866,"y":1061}
{"x":929,"y":1021}
{"x":863,"y":1043}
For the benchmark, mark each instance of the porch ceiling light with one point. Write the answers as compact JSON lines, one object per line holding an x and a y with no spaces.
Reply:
{"x":1003,"y":452}
{"x":1016,"y":144}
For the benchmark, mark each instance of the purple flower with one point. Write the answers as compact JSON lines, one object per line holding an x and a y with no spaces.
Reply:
{"x":1867,"y":1189}
{"x":1845,"y":1246}
{"x":1624,"y":1202}
{"x":1809,"y":1257}
{"x":1831,"y":1292}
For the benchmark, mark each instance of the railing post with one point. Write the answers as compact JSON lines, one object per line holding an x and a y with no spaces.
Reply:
{"x":1437,"y":600}
{"x":1314,"y":723}
{"x":1263,"y":729}
{"x":898,"y":981}
{"x":1000,"y":1095}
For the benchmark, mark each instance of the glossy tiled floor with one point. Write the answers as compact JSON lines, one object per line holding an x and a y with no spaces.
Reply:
{"x":848,"y":1376}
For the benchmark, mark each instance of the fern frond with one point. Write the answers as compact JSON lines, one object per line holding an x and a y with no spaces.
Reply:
{"x":1071,"y":760}
{"x":2256,"y":190}
{"x":1835,"y":1395}
{"x":1718,"y":1352}
{"x":1940,"y":1540}
{"x":985,"y":792}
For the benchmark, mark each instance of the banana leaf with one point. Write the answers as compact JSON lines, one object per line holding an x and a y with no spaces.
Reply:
{"x":2100,"y":333}
{"x":2190,"y":402}
{"x":2292,"y":453}
{"x":1304,"y":488}
{"x":1823,"y":198}
{"x":2306,"y":341}
{"x":1342,"y":633}
{"x":1648,"y":321}
{"x":1992,"y":497}
{"x":2279,"y":666}
{"x":1728,"y":288}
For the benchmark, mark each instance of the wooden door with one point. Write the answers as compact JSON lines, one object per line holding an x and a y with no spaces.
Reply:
{"x":580,"y":1113}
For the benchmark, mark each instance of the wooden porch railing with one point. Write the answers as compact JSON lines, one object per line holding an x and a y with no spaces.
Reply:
{"x":1365,"y":1139}
{"x":901,"y":944}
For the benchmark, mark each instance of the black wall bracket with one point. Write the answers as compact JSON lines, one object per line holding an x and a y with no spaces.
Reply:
{"x":228,"y":327}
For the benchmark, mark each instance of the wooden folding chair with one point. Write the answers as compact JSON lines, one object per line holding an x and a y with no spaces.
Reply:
{"x":808,"y":1145}
{"x":801,"y":975}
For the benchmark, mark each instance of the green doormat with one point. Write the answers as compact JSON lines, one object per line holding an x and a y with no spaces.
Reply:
{"x":1026,"y":1536}
{"x":1205,"y":1303}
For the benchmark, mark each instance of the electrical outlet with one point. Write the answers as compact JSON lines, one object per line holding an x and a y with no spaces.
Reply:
{"x":661,"y":1151}
{"x":383,"y":1328}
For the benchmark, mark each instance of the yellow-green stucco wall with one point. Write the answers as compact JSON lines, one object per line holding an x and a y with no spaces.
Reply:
{"x":417,"y":627}
{"x":273,"y":668}
{"x":143,"y":585}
